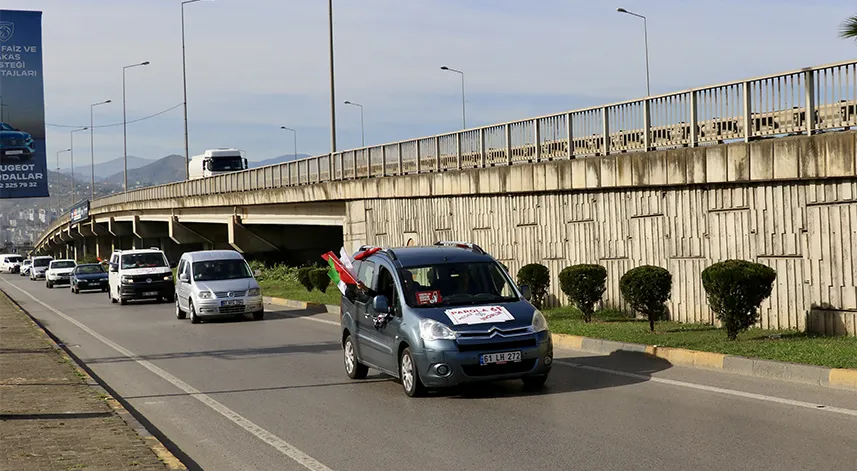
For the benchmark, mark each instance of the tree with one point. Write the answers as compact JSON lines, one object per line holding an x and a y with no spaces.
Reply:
{"x":584,"y":285}
{"x":848,"y":30}
{"x":537,"y":277}
{"x":646,"y":289}
{"x":735,"y":289}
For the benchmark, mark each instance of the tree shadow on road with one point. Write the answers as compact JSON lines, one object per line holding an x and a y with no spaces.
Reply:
{"x":228,"y":354}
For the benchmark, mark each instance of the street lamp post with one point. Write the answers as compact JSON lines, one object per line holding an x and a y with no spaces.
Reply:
{"x":362,"y":129}
{"x":125,"y":122}
{"x":184,"y":85}
{"x":463,"y":113}
{"x":295,"y":140}
{"x":57,"y":177}
{"x":71,"y":151}
{"x":332,"y":82}
{"x":646,"y":40}
{"x":92,"y":148}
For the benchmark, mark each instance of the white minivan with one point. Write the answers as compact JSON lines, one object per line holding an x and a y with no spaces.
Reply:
{"x":140,"y":274}
{"x":216,"y":283}
{"x":10,"y":262}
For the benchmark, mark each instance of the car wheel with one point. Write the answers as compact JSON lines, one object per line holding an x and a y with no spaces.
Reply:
{"x":48,"y":285}
{"x":258,"y":315}
{"x":179,"y":313}
{"x":194,"y":319}
{"x":409,"y":375}
{"x":110,"y":295}
{"x":536,"y":381}
{"x":122,"y":301}
{"x":72,"y":290}
{"x":353,"y":368}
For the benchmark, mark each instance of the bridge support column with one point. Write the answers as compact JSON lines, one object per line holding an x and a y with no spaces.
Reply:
{"x":244,"y":240}
{"x":181,"y":234}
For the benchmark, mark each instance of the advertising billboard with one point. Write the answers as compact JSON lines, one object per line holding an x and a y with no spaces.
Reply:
{"x":80,"y":212}
{"x":23,"y":163}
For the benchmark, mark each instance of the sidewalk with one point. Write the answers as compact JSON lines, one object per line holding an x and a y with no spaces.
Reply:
{"x":51,"y":416}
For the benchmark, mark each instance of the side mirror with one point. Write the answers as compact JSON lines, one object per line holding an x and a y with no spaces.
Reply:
{"x":380,"y":304}
{"x":114,"y":268}
{"x":257,"y":273}
{"x":183,"y":278}
{"x":527,"y":292}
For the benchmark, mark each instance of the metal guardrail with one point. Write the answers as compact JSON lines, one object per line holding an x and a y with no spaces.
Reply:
{"x":773,"y":105}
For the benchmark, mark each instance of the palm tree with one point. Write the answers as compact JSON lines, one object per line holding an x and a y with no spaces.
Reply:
{"x":848,"y":30}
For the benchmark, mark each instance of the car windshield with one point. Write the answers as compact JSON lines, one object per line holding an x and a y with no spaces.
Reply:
{"x":143,"y":260}
{"x":62,"y":264}
{"x":221,"y":164}
{"x":14,"y":259}
{"x":211,"y":270}
{"x":41,"y":262}
{"x":89,"y":269}
{"x":456,"y":284}
{"x":6,"y":127}
{"x":27,"y":262}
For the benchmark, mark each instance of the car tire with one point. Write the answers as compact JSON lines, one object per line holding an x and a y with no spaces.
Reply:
{"x":194,"y":319}
{"x":122,"y":301}
{"x":410,"y":377}
{"x":48,"y":285}
{"x":258,"y":315}
{"x":535,"y":381}
{"x":353,"y":368}
{"x":179,"y":313}
{"x":110,"y":295}
{"x":72,"y":290}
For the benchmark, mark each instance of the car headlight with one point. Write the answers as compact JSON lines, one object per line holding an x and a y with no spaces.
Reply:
{"x":127,"y":280}
{"x":168,"y":277}
{"x":434,"y":330}
{"x":539,"y":322}
{"x":254,"y":292}
{"x":206,"y":295}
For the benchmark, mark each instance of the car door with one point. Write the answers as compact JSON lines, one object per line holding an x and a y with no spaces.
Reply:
{"x":181,"y":293}
{"x":113,"y":275}
{"x":388,"y":334}
{"x":369,"y":346}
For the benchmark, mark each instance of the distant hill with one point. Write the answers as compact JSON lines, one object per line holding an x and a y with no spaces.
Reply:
{"x":166,"y":170}
{"x":276,"y":160}
{"x":106,"y":169}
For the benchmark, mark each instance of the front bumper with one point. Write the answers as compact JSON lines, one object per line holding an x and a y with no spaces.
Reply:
{"x":14,"y":269}
{"x":36,"y":274}
{"x":463,"y":366}
{"x":155,"y":289}
{"x":59,"y":279}
{"x":17,"y":151}
{"x":91,"y":284}
{"x":214,"y":307}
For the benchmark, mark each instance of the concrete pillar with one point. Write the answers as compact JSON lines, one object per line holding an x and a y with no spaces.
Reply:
{"x":244,"y":240}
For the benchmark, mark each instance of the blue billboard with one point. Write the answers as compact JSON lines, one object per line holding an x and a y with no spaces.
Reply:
{"x":23,"y":162}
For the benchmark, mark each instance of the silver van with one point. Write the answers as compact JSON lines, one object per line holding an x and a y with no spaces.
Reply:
{"x":216,"y":283}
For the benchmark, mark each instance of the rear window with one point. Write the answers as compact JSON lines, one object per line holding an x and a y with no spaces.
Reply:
{"x":62,"y":264}
{"x":89,"y":269}
{"x":41,"y":262}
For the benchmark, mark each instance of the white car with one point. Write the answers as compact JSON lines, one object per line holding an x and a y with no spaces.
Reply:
{"x":39,"y":266}
{"x":59,"y":272}
{"x":25,"y":267}
{"x":140,"y":274}
{"x":10,"y":262}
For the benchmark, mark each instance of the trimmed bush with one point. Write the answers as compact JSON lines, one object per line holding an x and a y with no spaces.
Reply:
{"x":88,"y":258}
{"x":319,"y":278}
{"x":538,"y":278}
{"x":304,"y":277}
{"x":584,"y":285}
{"x":646,"y":289}
{"x":735,"y":289}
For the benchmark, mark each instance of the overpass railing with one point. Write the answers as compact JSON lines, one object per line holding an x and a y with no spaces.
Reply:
{"x":768,"y":106}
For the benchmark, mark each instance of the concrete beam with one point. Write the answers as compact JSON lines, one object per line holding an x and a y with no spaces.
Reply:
{"x":244,"y":240}
{"x":118,"y":229}
{"x":181,"y":234}
{"x":98,"y":229}
{"x":147,"y":229}
{"x":66,"y":236}
{"x":85,"y":229}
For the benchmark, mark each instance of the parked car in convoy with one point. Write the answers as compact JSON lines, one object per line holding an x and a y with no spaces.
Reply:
{"x":216,"y":283}
{"x":89,"y":276}
{"x":16,"y":143}
{"x":441,"y":316}
{"x":59,"y":272}
{"x":39,"y":266}
{"x":25,"y":267}
{"x":10,"y":262}
{"x":140,"y":274}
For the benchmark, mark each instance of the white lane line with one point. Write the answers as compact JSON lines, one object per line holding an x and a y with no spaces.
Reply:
{"x":281,"y":445}
{"x":713,"y":389}
{"x":314,"y":319}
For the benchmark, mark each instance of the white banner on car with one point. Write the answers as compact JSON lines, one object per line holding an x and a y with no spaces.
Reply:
{"x":479,"y":315}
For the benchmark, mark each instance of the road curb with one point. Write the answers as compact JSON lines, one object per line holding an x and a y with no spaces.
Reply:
{"x":168,"y":458}
{"x":840,"y":378}
{"x":329,"y":308}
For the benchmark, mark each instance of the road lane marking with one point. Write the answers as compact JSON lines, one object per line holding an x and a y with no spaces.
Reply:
{"x":279,"y":444}
{"x":714,"y":389}
{"x":314,"y":319}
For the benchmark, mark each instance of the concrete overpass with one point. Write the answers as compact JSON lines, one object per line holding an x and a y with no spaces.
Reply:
{"x":679,"y":180}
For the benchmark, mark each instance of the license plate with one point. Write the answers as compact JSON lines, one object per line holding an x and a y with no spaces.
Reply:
{"x":150,"y":293}
{"x":14,"y":152}
{"x":232,"y":302}
{"x":499,"y":358}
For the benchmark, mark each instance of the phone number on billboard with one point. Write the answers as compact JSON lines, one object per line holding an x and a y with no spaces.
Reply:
{"x":20,"y":185}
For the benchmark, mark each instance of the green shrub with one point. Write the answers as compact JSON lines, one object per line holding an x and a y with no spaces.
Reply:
{"x":735,"y":289}
{"x":257,"y":265}
{"x":304,"y":277}
{"x":538,"y":278}
{"x":584,"y":285}
{"x":88,"y":258}
{"x":319,"y":278}
{"x":646,"y":289}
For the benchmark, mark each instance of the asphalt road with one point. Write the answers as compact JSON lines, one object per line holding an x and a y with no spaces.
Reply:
{"x":273,"y":394}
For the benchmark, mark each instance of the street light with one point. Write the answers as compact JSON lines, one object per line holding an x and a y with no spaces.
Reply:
{"x":295,"y":139}
{"x":57,"y":177}
{"x":92,"y":148}
{"x":332,"y":86}
{"x":184,"y":85}
{"x":125,"y":123}
{"x":71,"y":150}
{"x":362,"y":129}
{"x":463,"y":115}
{"x":646,"y":39}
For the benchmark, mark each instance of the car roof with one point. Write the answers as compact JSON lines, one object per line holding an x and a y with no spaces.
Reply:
{"x":62,"y":260}
{"x":429,"y":255}
{"x":89,"y":264}
{"x":202,"y":255}
{"x":135,"y":251}
{"x":42,"y":256}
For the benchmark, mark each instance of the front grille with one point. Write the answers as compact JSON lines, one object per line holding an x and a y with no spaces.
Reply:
{"x":143,"y":278}
{"x":492,"y":331}
{"x":491,"y":370}
{"x":225,"y":294}
{"x":490,"y":347}
{"x":232,"y":309}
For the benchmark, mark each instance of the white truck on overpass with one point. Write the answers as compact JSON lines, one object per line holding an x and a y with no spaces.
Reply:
{"x":216,"y":161}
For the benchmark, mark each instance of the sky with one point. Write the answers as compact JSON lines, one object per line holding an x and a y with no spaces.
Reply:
{"x":256,"y":65}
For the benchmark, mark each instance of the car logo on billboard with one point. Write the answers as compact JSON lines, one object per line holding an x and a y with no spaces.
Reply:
{"x":7,"y":29}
